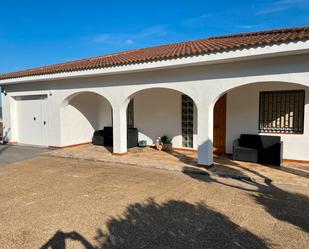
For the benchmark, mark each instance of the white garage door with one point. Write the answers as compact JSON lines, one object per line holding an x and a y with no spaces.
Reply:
{"x":31,"y":118}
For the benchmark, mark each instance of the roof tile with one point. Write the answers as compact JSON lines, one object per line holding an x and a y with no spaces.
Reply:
{"x":169,"y":51}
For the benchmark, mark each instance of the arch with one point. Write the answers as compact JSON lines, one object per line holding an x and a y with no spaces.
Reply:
{"x":158,"y":112}
{"x":243,"y":113}
{"x":81,"y":114}
{"x":70,"y":96}
{"x":145,"y":88}
{"x":223,"y":91}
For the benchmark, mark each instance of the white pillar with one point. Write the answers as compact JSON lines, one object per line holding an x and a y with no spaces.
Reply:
{"x":9,"y":118}
{"x":205,"y":134}
{"x":119,"y":131}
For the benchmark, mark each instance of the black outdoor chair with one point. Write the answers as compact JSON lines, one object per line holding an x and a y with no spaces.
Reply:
{"x":258,"y":149}
{"x":105,"y":137}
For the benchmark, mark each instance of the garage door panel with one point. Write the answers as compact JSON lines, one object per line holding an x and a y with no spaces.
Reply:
{"x":30,"y":120}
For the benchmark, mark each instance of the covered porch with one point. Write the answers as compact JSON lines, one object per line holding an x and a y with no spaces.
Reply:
{"x":186,"y":161}
{"x":196,"y":129}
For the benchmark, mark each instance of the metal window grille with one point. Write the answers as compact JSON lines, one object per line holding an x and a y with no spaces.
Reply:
{"x":187,"y":121}
{"x":282,"y":111}
{"x":130,"y":114}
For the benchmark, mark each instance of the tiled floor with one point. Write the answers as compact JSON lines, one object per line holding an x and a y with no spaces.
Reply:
{"x":288,"y":173}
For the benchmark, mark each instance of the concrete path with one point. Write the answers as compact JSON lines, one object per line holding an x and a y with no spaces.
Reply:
{"x":53,"y":203}
{"x":14,"y":153}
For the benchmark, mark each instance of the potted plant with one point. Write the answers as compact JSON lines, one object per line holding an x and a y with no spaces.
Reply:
{"x":166,"y":143}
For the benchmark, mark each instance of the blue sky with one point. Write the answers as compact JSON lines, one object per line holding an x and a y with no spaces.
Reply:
{"x":36,"y":33}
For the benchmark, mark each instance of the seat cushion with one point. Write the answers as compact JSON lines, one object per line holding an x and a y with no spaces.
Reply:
{"x":245,"y":154}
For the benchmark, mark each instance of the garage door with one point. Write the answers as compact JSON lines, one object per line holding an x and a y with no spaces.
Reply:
{"x":31,"y":119}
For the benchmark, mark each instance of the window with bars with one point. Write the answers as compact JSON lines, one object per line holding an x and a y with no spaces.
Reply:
{"x":130,"y":114}
{"x":282,"y":111}
{"x":187,"y":121}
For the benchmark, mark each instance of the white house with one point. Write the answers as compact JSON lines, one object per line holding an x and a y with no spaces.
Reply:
{"x":201,"y":93}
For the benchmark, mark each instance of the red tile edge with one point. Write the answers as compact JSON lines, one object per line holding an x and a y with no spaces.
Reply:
{"x":68,"y":146}
{"x":119,"y":154}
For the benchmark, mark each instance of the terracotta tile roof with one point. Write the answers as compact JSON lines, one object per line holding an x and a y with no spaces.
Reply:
{"x":169,"y":51}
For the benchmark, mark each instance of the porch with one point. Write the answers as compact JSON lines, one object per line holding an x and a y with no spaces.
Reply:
{"x":159,"y":111}
{"x":186,"y":161}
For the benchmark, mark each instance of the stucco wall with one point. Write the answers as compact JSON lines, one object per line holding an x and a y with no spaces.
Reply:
{"x":1,"y":124}
{"x":104,"y":110}
{"x":84,"y":114}
{"x":243,"y":117}
{"x":157,"y":112}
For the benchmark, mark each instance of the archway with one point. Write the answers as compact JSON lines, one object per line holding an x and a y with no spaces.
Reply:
{"x":283,"y":113}
{"x":158,"y":112}
{"x":81,"y":114}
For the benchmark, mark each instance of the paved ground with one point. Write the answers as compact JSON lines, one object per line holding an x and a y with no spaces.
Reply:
{"x":54,"y":203}
{"x":13,"y":153}
{"x":291,"y":173}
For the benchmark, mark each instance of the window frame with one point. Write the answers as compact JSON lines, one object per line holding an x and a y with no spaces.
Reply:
{"x":301,"y":115}
{"x":187,"y":121}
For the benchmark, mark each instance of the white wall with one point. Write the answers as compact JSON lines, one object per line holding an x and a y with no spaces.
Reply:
{"x":104,"y":113}
{"x":157,"y":112}
{"x":1,"y":125}
{"x":243,"y":117}
{"x":84,"y":114}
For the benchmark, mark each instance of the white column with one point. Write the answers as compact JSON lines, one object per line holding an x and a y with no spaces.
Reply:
{"x":119,"y":130}
{"x":205,"y":134}
{"x":9,"y":118}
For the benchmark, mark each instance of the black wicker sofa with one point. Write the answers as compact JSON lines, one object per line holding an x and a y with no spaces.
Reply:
{"x":263,"y":149}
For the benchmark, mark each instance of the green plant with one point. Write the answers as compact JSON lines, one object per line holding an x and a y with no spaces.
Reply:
{"x":165,"y":140}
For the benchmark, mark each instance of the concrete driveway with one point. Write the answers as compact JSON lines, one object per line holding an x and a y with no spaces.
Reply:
{"x":14,"y":153}
{"x":55,"y":203}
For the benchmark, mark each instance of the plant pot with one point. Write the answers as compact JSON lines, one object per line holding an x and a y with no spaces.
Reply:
{"x":167,"y":147}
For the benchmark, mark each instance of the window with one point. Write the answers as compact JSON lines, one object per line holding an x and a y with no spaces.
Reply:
{"x":187,"y":121}
{"x":130,"y":114}
{"x":282,"y":112}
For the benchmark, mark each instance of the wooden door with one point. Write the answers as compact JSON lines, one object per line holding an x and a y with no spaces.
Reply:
{"x":219,"y":138}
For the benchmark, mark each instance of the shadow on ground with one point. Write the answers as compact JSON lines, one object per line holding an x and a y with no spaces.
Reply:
{"x":58,"y":241}
{"x":225,"y":161}
{"x":283,"y":205}
{"x":184,"y":157}
{"x":174,"y":224}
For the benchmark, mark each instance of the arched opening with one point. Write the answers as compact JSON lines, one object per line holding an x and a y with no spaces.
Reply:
{"x":158,"y":112}
{"x":81,"y":114}
{"x":266,"y":108}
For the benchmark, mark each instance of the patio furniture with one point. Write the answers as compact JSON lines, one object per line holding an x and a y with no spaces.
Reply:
{"x":105,"y":137}
{"x":98,"y":137}
{"x":261,"y":149}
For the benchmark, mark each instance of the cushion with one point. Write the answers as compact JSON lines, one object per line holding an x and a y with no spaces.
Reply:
{"x":258,"y":142}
